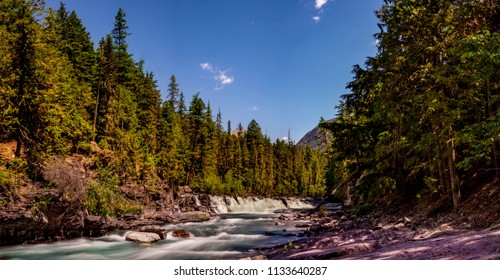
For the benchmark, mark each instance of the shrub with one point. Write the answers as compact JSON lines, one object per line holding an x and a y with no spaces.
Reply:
{"x":363,"y":209}
{"x":103,"y":198}
{"x":69,"y":179}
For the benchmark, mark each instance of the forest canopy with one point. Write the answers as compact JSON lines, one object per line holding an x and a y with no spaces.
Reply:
{"x":422,"y":117}
{"x":62,"y":96}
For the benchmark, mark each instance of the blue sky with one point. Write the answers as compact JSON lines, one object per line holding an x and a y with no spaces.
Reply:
{"x":284,"y":63}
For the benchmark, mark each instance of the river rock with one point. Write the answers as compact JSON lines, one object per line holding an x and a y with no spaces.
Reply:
{"x":155,"y":229}
{"x":143,"y":237}
{"x":318,"y":228}
{"x":96,"y":226}
{"x":181,"y":233}
{"x":285,"y":218}
{"x":302,"y":225}
{"x":191,"y":216}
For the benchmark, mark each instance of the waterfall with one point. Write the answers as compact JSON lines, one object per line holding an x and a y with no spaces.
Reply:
{"x":232,"y":204}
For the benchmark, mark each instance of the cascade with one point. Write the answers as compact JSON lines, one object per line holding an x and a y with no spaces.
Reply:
{"x":234,"y":204}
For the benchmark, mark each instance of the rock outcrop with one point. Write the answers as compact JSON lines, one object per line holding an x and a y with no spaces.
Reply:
{"x":316,"y":138}
{"x":189,"y":202}
{"x":47,"y":217}
{"x":192,"y":216}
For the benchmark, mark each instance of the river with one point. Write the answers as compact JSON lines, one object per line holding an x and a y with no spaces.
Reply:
{"x":242,"y":226}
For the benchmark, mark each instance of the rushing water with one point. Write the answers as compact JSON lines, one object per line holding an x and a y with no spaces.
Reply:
{"x":242,"y":226}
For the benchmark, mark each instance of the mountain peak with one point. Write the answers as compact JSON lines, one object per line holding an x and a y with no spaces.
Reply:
{"x":317,"y":138}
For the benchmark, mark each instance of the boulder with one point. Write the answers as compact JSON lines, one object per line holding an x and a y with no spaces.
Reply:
{"x":155,"y":229}
{"x":96,"y":226}
{"x":142,"y":237}
{"x":192,"y":216}
{"x":181,"y":233}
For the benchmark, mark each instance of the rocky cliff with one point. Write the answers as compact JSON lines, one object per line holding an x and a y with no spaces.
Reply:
{"x":317,"y":138}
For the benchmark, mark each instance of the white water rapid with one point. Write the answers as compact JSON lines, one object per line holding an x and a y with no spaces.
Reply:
{"x":232,"y":204}
{"x":243,"y":226}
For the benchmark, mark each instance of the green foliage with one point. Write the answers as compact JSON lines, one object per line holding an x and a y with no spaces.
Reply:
{"x":103,"y":198}
{"x":42,"y":204}
{"x":423,"y":113}
{"x":7,"y":182}
{"x":323,"y":212}
{"x":18,"y":165}
{"x":363,"y":209}
{"x":60,"y":96}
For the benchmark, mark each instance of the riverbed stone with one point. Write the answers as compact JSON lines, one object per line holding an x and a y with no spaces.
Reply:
{"x":155,"y":229}
{"x":192,"y":216}
{"x":143,"y":237}
{"x":181,"y":233}
{"x":302,"y":225}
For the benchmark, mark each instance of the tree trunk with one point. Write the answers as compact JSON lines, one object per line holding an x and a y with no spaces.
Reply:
{"x":98,"y":95}
{"x":496,"y":145}
{"x":18,"y":147}
{"x":442,"y":180}
{"x":494,"y":148}
{"x":454,"y":180}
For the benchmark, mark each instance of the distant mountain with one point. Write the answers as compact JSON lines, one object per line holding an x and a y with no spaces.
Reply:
{"x":317,"y":138}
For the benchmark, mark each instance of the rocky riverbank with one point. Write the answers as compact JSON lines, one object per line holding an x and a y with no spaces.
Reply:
{"x":423,"y":232}
{"x":365,"y":238}
{"x":45,"y":216}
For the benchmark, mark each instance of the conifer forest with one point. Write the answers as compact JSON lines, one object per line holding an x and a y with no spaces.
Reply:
{"x":420,"y":121}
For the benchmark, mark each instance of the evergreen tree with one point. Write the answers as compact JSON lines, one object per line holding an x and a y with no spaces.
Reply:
{"x":414,"y":111}
{"x":123,"y":58}
{"x":173,"y":93}
{"x":75,"y":42}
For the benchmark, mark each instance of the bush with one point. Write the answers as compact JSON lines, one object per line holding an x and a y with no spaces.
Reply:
{"x":69,"y":179}
{"x":363,"y":209}
{"x":102,"y":197}
{"x":6,"y":183}
{"x":19,"y":165}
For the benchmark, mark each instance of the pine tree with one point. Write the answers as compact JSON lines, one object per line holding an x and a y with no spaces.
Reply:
{"x":75,"y":42}
{"x":123,"y":58}
{"x":414,"y":112}
{"x":173,"y":93}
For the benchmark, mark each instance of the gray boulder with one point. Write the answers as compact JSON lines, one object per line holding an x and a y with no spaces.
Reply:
{"x":191,"y":216}
{"x":155,"y":229}
{"x":142,"y":237}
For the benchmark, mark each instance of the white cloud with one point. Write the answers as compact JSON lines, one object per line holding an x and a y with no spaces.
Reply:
{"x":221,"y":76}
{"x":255,"y":108}
{"x":224,"y":79}
{"x":320,"y":4}
{"x":206,"y":66}
{"x":316,"y":19}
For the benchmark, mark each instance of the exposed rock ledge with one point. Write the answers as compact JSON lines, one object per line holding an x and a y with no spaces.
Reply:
{"x":24,"y":223}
